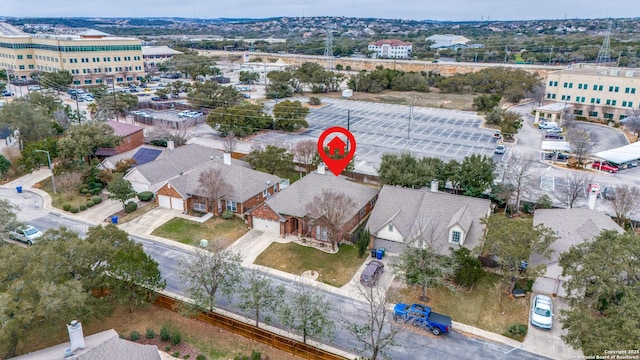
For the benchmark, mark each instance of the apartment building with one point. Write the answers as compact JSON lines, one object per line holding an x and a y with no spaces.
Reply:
{"x":92,"y":57}
{"x":596,"y":92}
{"x":391,"y":49}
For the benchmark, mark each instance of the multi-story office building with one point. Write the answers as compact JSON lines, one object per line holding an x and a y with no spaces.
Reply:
{"x":395,"y":49}
{"x":92,"y":57}
{"x":596,"y":92}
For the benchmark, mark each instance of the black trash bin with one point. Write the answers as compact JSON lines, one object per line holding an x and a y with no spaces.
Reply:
{"x":374,"y":252}
{"x":19,"y":189}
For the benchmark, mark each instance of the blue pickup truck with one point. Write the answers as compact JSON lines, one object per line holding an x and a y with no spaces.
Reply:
{"x":421,"y":316}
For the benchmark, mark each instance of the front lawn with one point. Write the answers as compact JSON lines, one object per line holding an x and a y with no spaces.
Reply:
{"x":222,"y":232}
{"x":59,"y":199}
{"x":334,"y":269}
{"x":485,"y":307}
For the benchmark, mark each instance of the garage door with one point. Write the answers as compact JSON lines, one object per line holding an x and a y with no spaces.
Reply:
{"x":266,"y":225}
{"x":164,"y":201}
{"x":177,"y":203}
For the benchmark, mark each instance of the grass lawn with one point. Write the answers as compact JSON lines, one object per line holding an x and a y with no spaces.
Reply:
{"x":59,"y":199}
{"x":222,"y":232}
{"x":486,"y":306}
{"x":334,"y":269}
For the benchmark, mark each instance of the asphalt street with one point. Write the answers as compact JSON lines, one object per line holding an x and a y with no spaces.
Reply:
{"x":413,"y":343}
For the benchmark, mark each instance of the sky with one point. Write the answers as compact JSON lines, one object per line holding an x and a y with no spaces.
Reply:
{"x":453,"y":10}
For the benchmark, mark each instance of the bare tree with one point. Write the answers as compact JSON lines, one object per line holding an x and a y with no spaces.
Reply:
{"x":518,"y":175}
{"x":330,"y":210}
{"x":576,"y":185}
{"x":607,"y":109}
{"x":307,"y":311}
{"x":626,"y":202}
{"x":568,"y":120}
{"x":373,"y":327}
{"x":259,"y":294}
{"x":305,"y":153}
{"x":632,"y":121}
{"x":214,"y":188}
{"x":581,"y":144}
{"x":162,"y":131}
{"x":69,"y":183}
{"x":229,"y":142}
{"x":537,"y":94}
{"x":206,"y":272}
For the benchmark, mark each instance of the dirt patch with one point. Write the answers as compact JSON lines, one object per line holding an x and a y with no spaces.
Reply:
{"x":430,"y":99}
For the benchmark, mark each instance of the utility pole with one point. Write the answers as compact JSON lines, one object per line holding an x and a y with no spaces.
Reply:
{"x":76,"y":96}
{"x":505,"y":53}
{"x":550,"y":54}
{"x":115,"y":101}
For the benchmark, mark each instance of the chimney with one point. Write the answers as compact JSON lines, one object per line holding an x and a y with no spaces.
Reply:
{"x":434,"y":186}
{"x":75,"y":335}
{"x":226,"y":158}
{"x":170,"y":145}
{"x":321,"y":169}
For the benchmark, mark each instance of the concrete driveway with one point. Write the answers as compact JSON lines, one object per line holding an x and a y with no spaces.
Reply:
{"x":548,"y":342}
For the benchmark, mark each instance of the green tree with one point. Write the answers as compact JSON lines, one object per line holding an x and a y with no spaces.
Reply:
{"x":290,"y":115}
{"x":243,"y":119}
{"x":31,"y":122}
{"x":281,"y":84}
{"x":210,"y":94}
{"x":476,"y":175}
{"x":486,"y":103}
{"x":307,"y":313}
{"x":45,"y":102}
{"x":120,"y":189}
{"x":515,"y":240}
{"x":116,"y":103}
{"x":469,"y":270}
{"x":249,"y":77}
{"x":8,"y":217}
{"x":510,"y":125}
{"x":5,"y":165}
{"x":272,"y":159}
{"x":408,"y":171}
{"x":259,"y":295}
{"x":603,"y":293}
{"x":58,"y":80}
{"x":193,"y":65}
{"x":81,"y":141}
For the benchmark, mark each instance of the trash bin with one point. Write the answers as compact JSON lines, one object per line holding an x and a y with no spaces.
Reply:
{"x":379,"y":255}
{"x":373,"y":253}
{"x":382,"y":249}
{"x":19,"y":189}
{"x":114,"y":219}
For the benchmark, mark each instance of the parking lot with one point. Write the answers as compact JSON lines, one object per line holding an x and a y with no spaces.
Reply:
{"x":387,"y":128}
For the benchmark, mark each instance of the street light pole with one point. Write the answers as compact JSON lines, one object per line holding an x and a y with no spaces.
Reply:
{"x":53,"y":180}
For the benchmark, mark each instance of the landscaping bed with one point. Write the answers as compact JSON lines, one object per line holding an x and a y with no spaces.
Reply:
{"x":222,"y":232}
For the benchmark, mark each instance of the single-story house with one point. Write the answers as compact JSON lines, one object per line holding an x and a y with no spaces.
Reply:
{"x":142,"y":155}
{"x":249,"y":189}
{"x":287,"y":213}
{"x":132,"y":137}
{"x":172,"y":163}
{"x":572,"y":227}
{"x":442,"y":220}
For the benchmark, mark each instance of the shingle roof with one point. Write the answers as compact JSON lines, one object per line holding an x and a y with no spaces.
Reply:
{"x":123,"y":129}
{"x":294,"y":199}
{"x":409,"y":209}
{"x":246,"y":182}
{"x":106,"y":345}
{"x":572,"y":226}
{"x":110,"y":162}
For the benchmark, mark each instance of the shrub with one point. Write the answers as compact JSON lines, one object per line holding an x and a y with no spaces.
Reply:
{"x":363,"y":242}
{"x":187,"y":356}
{"x":95,"y":191}
{"x":83,"y":207}
{"x":66,"y":207}
{"x":517,"y":331}
{"x":227,"y":214}
{"x":167,"y":348}
{"x":145,"y":196}
{"x":84,"y":190}
{"x":130,"y":207}
{"x":339,"y":67}
{"x":74,"y":210}
{"x":90,"y":203}
{"x":201,"y":357}
{"x":176,"y":338}
{"x":348,"y":68}
{"x":96,"y":199}
{"x":134,"y":336}
{"x":150,"y":333}
{"x":470,"y":268}
{"x":176,"y":354}
{"x":165,"y":333}
{"x":314,"y":101}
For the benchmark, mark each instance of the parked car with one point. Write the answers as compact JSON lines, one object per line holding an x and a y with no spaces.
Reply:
{"x":609,"y":193}
{"x":547,"y":125}
{"x":604,"y":166}
{"x":27,"y":234}
{"x":500,"y":149}
{"x":553,"y":136}
{"x":422,"y":316}
{"x":556,"y":130}
{"x":371,"y":273}
{"x":7,"y":93}
{"x":542,"y":312}
{"x":34,"y":87}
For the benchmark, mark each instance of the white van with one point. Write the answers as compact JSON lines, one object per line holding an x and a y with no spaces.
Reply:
{"x":547,"y":125}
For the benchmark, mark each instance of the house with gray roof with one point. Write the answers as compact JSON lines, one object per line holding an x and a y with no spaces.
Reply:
{"x":287,"y":213}
{"x":172,"y":163}
{"x":404,"y":216}
{"x":249,"y":188}
{"x":572,"y":227}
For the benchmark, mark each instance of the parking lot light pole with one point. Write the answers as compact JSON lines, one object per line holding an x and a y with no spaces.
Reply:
{"x":53,"y":180}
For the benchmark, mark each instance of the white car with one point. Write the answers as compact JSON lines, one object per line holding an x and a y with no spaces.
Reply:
{"x":27,"y":234}
{"x":542,"y":312}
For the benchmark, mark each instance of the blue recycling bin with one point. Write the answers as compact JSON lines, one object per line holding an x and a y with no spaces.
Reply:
{"x":19,"y":189}
{"x":379,"y":254}
{"x":114,"y":219}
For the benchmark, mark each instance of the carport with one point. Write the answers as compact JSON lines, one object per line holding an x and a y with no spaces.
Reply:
{"x":552,"y":112}
{"x":556,"y":146}
{"x":622,"y":154}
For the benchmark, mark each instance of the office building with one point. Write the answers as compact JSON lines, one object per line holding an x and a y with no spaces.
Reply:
{"x":392,"y":49}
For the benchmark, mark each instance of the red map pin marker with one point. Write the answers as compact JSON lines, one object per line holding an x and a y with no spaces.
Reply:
{"x":337,"y":148}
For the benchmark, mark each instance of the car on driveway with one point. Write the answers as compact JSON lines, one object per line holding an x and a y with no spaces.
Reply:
{"x":371,"y":273}
{"x":27,"y":234}
{"x":604,"y":166}
{"x":500,"y":149}
{"x":542,"y":312}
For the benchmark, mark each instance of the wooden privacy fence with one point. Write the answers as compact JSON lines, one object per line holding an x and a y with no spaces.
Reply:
{"x":264,"y":336}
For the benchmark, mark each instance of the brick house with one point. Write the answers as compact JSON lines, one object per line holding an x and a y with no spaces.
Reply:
{"x":287,"y":214}
{"x":132,"y":137}
{"x":250,"y":189}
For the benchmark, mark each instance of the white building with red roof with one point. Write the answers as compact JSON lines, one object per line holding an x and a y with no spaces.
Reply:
{"x":391,"y":48}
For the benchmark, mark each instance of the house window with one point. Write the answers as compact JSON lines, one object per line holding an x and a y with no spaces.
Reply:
{"x":613,"y":102}
{"x":232,"y":205}
{"x":593,"y":113}
{"x":265,"y":193}
{"x":199,"y":207}
{"x":456,"y":236}
{"x":275,"y":188}
{"x":390,"y":227}
{"x":624,"y":104}
{"x":321,"y":233}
